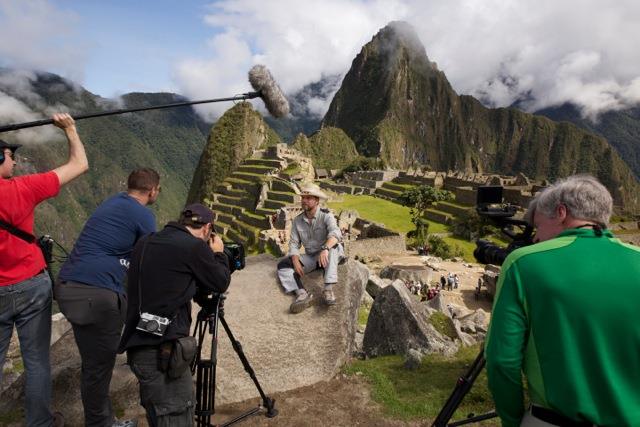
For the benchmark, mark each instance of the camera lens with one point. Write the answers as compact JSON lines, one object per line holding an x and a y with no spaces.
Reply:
{"x":152,"y":326}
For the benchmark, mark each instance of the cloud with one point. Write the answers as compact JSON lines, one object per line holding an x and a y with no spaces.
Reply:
{"x":36,"y":35}
{"x":300,"y":43}
{"x":544,"y":52}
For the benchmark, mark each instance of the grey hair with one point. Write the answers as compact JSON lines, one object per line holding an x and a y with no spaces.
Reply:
{"x":583,"y":196}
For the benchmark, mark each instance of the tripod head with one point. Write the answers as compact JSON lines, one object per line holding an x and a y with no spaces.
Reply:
{"x":209,"y":303}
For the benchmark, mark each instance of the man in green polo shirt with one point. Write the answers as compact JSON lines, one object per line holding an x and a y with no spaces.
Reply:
{"x":578,"y":347}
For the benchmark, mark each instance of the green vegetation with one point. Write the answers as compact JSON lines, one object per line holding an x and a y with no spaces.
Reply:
{"x":420,"y":199}
{"x":363,"y":314}
{"x":329,"y":148}
{"x":443,"y":324}
{"x":443,"y":249}
{"x":398,"y":218}
{"x":392,"y":215}
{"x":419,"y":394}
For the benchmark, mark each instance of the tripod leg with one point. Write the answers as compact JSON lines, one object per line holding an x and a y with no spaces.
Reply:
{"x":206,"y":371}
{"x":267,"y":402}
{"x":461,"y":389}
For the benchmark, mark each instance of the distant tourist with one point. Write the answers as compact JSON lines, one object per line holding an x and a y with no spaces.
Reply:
{"x":450,"y":281}
{"x":443,"y":281}
{"x":456,"y":281}
{"x":578,"y":353}
{"x":315,"y":229}
{"x":90,"y":287}
{"x":25,"y":286}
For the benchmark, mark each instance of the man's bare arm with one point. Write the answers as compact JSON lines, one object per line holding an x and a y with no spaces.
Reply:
{"x":77,"y":164}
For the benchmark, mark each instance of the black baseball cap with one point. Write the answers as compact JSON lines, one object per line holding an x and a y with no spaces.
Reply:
{"x":198,"y":214}
{"x":5,"y":144}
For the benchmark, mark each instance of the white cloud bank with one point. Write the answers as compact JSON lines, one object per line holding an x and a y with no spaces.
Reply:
{"x":544,"y":51}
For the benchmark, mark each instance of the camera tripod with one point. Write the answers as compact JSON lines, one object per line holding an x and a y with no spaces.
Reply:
{"x":463,"y":385}
{"x":205,"y":369}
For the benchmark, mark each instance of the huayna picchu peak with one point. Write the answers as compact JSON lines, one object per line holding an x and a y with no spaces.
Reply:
{"x":395,"y":104}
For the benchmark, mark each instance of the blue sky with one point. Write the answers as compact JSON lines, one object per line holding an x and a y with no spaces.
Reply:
{"x":133,"y":45}
{"x":580,"y":51}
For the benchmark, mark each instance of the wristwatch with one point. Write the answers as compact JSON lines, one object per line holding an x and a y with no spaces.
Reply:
{"x":324,"y":247}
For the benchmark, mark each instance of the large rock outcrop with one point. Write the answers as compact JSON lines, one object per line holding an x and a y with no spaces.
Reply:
{"x":286,"y":351}
{"x":395,"y":104}
{"x":397,"y":323}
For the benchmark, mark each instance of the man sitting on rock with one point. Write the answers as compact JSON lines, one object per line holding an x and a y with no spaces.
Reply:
{"x":317,"y":231}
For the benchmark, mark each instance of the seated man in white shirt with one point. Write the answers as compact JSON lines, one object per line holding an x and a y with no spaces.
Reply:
{"x":315,"y":229}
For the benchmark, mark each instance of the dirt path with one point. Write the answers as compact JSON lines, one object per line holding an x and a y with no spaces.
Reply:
{"x":343,"y":401}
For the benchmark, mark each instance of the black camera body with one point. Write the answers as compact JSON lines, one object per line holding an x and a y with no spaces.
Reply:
{"x":490,"y":205}
{"x":235,"y":255}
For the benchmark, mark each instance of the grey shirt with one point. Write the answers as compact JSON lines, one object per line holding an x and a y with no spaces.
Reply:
{"x":314,"y":233}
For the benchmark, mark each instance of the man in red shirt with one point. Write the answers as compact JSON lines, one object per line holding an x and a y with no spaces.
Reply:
{"x":25,"y":287}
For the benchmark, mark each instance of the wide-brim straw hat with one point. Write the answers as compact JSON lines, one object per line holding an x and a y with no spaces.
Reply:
{"x":310,"y":189}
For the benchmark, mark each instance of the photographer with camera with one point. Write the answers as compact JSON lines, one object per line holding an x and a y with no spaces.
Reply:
{"x":166,"y":270}
{"x":25,"y":286}
{"x":578,"y":353}
{"x":90,"y":287}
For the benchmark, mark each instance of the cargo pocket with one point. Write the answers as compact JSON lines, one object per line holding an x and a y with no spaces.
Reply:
{"x":184,"y":350}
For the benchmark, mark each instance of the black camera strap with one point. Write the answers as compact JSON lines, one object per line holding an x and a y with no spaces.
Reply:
{"x":21,"y":234}
{"x":144,"y":247}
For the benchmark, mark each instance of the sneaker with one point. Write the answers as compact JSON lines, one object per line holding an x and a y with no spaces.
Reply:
{"x":301,"y":303}
{"x":125,"y":423}
{"x":329,"y":299}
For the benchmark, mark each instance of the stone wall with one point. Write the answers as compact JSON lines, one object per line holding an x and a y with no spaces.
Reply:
{"x":465,"y":195}
{"x":375,"y":246}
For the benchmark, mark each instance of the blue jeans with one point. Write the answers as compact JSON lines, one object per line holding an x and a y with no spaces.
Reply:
{"x":27,"y":305}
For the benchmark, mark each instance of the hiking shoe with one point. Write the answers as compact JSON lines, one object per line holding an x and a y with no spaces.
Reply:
{"x":329,"y":299}
{"x":125,"y":423}
{"x":301,"y":303}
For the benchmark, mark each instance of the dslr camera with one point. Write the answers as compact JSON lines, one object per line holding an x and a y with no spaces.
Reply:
{"x":490,"y":205}
{"x":153,"y":324}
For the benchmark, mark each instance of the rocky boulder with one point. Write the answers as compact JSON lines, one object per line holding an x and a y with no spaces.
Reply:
{"x":411,"y":272}
{"x":286,"y":351}
{"x":375,"y":285}
{"x":398,"y":322}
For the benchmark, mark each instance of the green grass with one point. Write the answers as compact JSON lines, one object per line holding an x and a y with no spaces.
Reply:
{"x":443,"y":324}
{"x":466,"y":246}
{"x":393,"y":215}
{"x":363,"y":315}
{"x":420,"y":394}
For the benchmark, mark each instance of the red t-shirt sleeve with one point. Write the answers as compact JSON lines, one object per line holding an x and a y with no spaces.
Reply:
{"x":41,"y":186}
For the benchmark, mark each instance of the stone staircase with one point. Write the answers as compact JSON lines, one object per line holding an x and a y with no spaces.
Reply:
{"x":245,"y":200}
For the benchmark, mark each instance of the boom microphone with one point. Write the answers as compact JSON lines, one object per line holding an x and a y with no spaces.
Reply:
{"x":263,"y":83}
{"x":260,"y":78}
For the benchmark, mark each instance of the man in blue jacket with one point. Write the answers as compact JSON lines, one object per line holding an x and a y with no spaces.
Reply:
{"x":90,"y":288}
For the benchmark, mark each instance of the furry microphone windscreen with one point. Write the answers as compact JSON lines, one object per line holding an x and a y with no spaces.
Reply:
{"x":262,"y":81}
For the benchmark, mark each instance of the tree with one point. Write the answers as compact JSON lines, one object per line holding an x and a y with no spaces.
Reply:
{"x":420,"y":199}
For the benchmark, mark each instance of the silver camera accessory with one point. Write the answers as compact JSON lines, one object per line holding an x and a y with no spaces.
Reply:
{"x":153,"y":324}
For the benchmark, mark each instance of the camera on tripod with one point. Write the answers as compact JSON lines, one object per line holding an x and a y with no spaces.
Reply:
{"x":235,"y":255}
{"x":490,"y":205}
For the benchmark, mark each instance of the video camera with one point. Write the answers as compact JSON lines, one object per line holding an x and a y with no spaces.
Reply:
{"x":235,"y":255}
{"x":490,"y":205}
